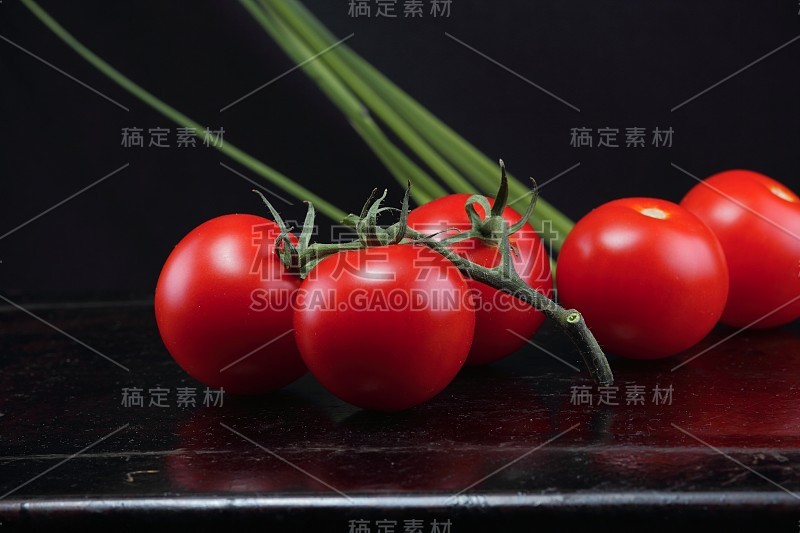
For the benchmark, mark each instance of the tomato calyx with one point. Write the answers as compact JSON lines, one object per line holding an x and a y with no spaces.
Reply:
{"x":301,"y":258}
{"x":369,"y":232}
{"x":489,"y":228}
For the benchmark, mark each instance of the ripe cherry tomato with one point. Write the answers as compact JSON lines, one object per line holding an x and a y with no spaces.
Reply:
{"x":384,"y":328}
{"x":497,"y":312}
{"x":224,"y":306}
{"x":649,"y":277}
{"x":757,"y":221}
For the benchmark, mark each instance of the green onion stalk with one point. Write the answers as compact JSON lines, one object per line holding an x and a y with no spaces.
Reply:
{"x":246,"y":160}
{"x":381,"y":108}
{"x":400,"y":166}
{"x":354,"y":86}
{"x":400,"y":111}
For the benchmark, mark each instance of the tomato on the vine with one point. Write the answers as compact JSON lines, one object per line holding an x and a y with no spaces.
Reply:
{"x":648,"y":276}
{"x":223,"y":305}
{"x":503,"y":323}
{"x":757,"y":221}
{"x":384,"y":328}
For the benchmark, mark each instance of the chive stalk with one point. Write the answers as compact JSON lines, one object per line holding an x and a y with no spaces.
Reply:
{"x":399,"y":165}
{"x":476,"y":166}
{"x":246,"y":160}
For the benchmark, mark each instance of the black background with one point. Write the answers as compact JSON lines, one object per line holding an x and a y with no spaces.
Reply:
{"x":623,"y":63}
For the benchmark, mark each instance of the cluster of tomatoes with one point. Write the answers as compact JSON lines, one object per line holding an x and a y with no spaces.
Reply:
{"x":382,"y":327}
{"x":387,"y":327}
{"x":652,"y":278}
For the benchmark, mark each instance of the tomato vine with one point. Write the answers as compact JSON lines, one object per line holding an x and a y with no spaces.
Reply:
{"x":303,"y":256}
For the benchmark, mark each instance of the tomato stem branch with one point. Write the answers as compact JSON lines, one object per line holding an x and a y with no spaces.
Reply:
{"x":505,"y":278}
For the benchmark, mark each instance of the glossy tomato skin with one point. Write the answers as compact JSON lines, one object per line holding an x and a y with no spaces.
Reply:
{"x":649,"y":277}
{"x":384,"y":328}
{"x":222,"y":295}
{"x":497,"y":313}
{"x":757,"y":221}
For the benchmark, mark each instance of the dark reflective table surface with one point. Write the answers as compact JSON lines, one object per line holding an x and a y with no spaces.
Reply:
{"x":525,"y":443}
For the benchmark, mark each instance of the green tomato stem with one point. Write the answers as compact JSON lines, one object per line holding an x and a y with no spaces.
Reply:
{"x":506,"y":279}
{"x":302,"y":259}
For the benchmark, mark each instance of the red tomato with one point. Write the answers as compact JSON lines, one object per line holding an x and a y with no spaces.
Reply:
{"x":649,"y":277}
{"x":222,"y":297}
{"x":497,"y":312}
{"x":384,"y":328}
{"x":757,"y":221}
